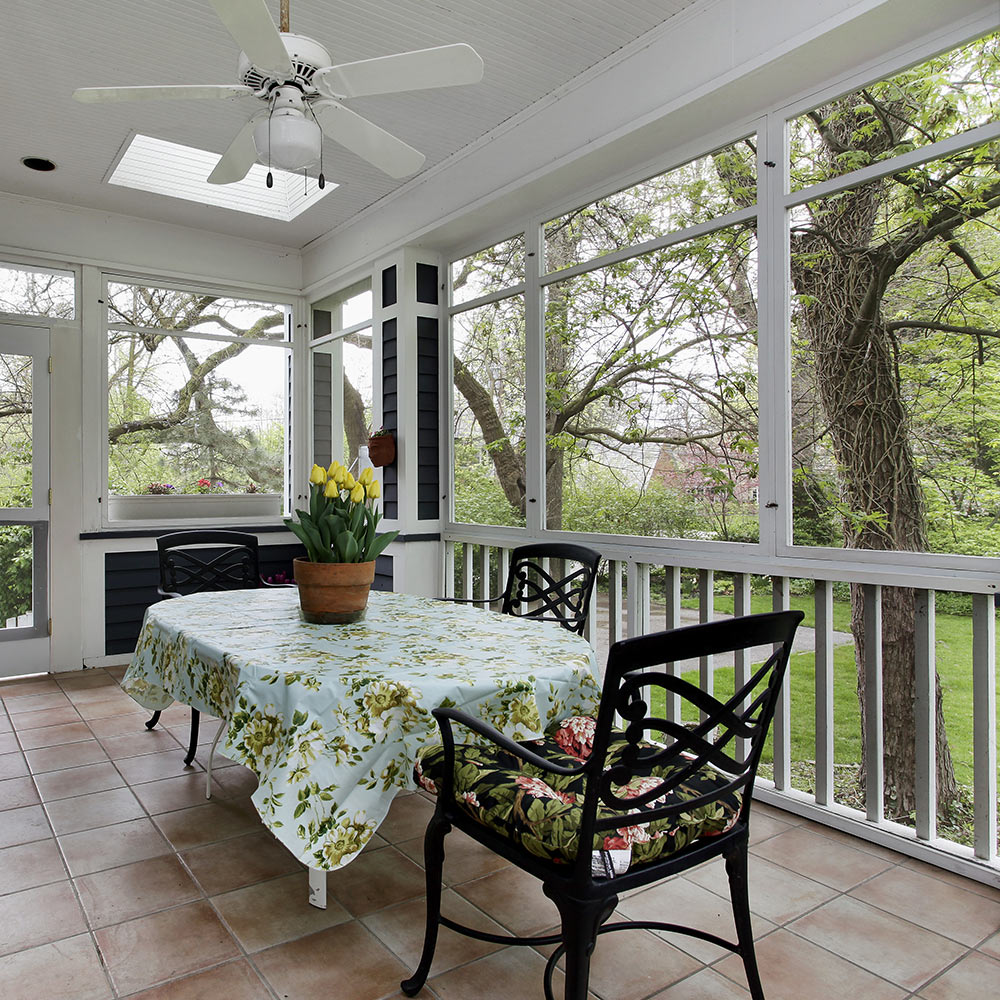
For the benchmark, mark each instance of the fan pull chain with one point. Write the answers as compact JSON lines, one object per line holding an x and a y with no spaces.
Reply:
{"x":270,"y":176}
{"x":322,"y":179}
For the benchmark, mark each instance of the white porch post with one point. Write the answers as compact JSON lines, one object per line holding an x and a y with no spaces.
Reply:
{"x":408,"y":343}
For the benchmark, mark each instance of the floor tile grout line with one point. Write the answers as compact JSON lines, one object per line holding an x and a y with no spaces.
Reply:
{"x":76,"y":894}
{"x":204,"y":893}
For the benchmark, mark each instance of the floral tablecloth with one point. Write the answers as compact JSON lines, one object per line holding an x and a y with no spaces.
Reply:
{"x":330,"y":717}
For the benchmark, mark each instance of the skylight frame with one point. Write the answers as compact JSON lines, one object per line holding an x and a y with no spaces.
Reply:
{"x":158,"y":166}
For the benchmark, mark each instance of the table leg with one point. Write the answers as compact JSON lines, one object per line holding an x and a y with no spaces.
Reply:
{"x":211,"y":754}
{"x":317,"y":888}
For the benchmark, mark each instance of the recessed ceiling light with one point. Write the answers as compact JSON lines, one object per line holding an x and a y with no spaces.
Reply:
{"x":38,"y":163}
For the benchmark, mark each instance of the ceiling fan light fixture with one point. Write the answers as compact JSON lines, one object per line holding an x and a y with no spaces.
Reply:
{"x":288,"y":140}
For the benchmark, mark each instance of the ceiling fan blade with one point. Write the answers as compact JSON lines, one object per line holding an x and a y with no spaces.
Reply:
{"x":249,"y":22}
{"x":443,"y":66}
{"x":237,"y":160}
{"x":95,"y":95}
{"x":391,"y":155}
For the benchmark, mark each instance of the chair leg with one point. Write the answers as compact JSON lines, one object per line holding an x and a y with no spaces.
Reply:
{"x":736,"y":869}
{"x":437,"y":829}
{"x":580,"y":924}
{"x":195,"y":716}
{"x":150,"y":723}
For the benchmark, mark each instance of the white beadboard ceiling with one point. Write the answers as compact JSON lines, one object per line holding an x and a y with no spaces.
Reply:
{"x":530,"y":47}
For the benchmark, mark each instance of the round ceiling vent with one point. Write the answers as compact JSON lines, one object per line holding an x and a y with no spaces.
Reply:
{"x":38,"y":163}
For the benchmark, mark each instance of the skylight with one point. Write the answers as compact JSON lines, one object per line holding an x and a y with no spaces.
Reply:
{"x":169,"y":168}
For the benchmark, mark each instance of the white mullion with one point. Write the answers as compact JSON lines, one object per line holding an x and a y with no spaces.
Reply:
{"x":925,"y":715}
{"x":823,"y":638}
{"x":782,"y":713}
{"x":341,"y":334}
{"x":225,"y":338}
{"x":649,"y":246}
{"x":706,"y":611}
{"x":534,"y":388}
{"x":673,"y":620}
{"x":489,"y":298}
{"x":773,"y":341}
{"x":904,"y":161}
{"x":741,"y":657}
{"x":874,"y":765}
{"x":984,"y":726}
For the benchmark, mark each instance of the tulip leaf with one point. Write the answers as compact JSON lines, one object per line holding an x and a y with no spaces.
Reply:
{"x":347,"y":546}
{"x":380,"y":543}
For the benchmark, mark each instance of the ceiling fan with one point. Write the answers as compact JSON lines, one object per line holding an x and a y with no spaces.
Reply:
{"x":294,"y":76}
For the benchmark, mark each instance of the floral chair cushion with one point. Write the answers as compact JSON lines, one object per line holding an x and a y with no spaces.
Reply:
{"x":543,"y":811}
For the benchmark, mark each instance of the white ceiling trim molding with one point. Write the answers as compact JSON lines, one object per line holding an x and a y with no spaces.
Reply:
{"x":752,"y":53}
{"x":125,"y":243}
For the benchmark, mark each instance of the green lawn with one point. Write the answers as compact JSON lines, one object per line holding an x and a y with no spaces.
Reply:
{"x":954,"y":664}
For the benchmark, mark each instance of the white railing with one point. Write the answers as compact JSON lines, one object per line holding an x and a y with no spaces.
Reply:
{"x":625,"y":608}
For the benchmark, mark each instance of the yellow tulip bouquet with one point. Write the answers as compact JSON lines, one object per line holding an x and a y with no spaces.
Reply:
{"x":339,"y":526}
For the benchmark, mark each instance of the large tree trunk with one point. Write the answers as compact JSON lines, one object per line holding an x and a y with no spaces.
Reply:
{"x":883,"y":505}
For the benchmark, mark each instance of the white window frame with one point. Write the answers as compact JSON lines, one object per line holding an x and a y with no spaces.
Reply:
{"x":774,"y":199}
{"x":332,"y":343}
{"x":153,"y":511}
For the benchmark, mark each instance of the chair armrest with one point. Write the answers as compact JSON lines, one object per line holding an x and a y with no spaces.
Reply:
{"x":264,"y":583}
{"x":445,"y":717}
{"x":167,"y":593}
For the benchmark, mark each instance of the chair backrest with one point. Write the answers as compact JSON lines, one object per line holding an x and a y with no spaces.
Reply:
{"x":196,"y":561}
{"x":551,"y":581}
{"x":632,"y":669}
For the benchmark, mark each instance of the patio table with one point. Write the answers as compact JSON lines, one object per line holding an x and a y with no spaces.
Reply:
{"x":330,"y":717}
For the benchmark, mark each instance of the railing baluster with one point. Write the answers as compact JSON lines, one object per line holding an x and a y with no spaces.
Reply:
{"x":615,"y":629}
{"x":449,"y":569}
{"x":984,"y":726}
{"x":874,"y":766}
{"x":741,"y":658}
{"x":823,"y":603}
{"x":483,"y":571}
{"x":783,"y":709}
{"x":925,"y":715}
{"x":503,"y":568}
{"x":467,"y":571}
{"x":479,"y":569}
{"x":673,"y":620}
{"x":706,"y":611}
{"x":637,"y":598}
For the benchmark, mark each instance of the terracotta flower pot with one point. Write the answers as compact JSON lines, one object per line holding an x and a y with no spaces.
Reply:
{"x":382,"y":450}
{"x":333,"y":593}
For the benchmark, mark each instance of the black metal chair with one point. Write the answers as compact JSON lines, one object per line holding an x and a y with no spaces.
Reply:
{"x":189,"y":566}
{"x":593,"y":810}
{"x":534,"y":590}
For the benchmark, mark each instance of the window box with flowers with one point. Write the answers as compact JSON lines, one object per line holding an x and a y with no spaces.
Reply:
{"x":202,"y":500}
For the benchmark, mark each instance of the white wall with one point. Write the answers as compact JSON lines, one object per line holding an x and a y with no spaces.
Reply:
{"x":86,"y":236}
{"x":719,"y":63}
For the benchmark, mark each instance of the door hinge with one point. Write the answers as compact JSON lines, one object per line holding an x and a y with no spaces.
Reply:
{"x":50,"y":626}
{"x":50,"y":496}
{"x":50,"y":364}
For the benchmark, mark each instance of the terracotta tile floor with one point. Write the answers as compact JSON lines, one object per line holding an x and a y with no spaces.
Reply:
{"x":117,"y":879}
